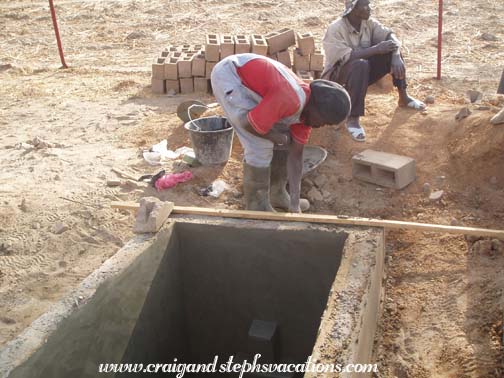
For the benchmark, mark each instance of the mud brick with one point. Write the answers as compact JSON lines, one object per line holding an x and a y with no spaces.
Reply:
{"x":201,"y":84}
{"x":227,"y":45}
{"x":198,"y":65}
{"x":242,"y":44}
{"x":170,"y":69}
{"x":306,"y":76}
{"x":317,"y":61}
{"x":186,"y":85}
{"x":284,"y":58}
{"x":259,"y":45}
{"x":384,"y":169}
{"x":209,"y":67}
{"x":280,"y":40}
{"x":158,"y":68}
{"x":301,"y":62}
{"x":184,"y":67}
{"x":172,"y":85}
{"x":306,"y":43}
{"x":212,"y":48}
{"x":158,"y":85}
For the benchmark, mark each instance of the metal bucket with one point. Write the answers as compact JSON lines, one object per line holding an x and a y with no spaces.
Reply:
{"x":212,"y":139}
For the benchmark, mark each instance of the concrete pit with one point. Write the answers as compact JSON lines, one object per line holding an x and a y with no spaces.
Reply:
{"x":205,"y":287}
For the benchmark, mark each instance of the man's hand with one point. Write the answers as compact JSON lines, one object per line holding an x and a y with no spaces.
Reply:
{"x":280,"y":139}
{"x":386,"y":47}
{"x":397,"y":67}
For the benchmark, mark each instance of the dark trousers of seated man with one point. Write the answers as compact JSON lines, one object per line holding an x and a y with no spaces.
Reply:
{"x":358,"y":74}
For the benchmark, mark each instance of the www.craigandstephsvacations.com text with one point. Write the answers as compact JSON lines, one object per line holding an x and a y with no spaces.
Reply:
{"x":232,"y":366}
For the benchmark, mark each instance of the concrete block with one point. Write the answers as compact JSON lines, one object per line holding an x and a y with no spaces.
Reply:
{"x":306,"y":43}
{"x":170,"y":69}
{"x":262,"y":338}
{"x":151,"y":215}
{"x":212,"y":48}
{"x":184,"y":65}
{"x":172,"y":86}
{"x":384,"y":169}
{"x":284,"y":58}
{"x":227,"y":45}
{"x":177,"y":54}
{"x":280,"y":40}
{"x":242,"y":44}
{"x":172,"y":49}
{"x":209,"y":67}
{"x":186,"y":85}
{"x":158,"y":85}
{"x":317,"y":61}
{"x":198,"y":47}
{"x":164,"y":53}
{"x":301,"y":62}
{"x":306,"y":76}
{"x":259,"y":44}
{"x":201,"y":85}
{"x":198,"y":65}
{"x":158,"y":68}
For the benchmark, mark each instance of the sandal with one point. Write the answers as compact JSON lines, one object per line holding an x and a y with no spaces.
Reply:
{"x":416,"y":104}
{"x":357,"y":133}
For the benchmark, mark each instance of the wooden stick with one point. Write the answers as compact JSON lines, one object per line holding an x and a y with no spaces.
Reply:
{"x":319,"y":218}
{"x":124,"y":174}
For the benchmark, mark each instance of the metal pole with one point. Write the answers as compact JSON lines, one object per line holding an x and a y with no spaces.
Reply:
{"x":440,"y":39}
{"x":56,"y":31}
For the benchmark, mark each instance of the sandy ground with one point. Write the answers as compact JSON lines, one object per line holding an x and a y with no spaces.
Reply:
{"x":64,"y":130}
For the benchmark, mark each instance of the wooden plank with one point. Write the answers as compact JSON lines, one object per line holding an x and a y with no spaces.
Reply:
{"x":327,"y":219}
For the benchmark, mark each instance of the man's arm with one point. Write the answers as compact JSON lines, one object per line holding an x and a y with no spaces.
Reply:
{"x":294,"y":172}
{"x":397,"y":64}
{"x":384,"y":47}
{"x":274,"y":136}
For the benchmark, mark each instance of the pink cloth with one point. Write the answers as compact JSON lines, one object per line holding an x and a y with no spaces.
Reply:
{"x":169,"y":181}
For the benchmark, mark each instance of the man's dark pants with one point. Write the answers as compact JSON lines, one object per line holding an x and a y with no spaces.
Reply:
{"x":358,"y":74}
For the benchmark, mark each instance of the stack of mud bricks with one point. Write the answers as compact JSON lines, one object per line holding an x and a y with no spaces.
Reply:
{"x":180,"y":69}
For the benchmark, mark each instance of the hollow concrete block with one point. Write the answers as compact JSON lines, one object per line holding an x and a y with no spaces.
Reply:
{"x":306,"y":43}
{"x":151,"y":215}
{"x":209,"y":67}
{"x":172,"y":86}
{"x":259,"y":44}
{"x":306,"y":76}
{"x":242,"y":44}
{"x":227,"y":45}
{"x":301,"y":62}
{"x":317,"y":61}
{"x":212,"y":48}
{"x":158,"y":68}
{"x":284,"y":58}
{"x":184,"y":65}
{"x":186,"y":85}
{"x":198,"y":65}
{"x":170,"y":68}
{"x":158,"y":85}
{"x":280,"y":40}
{"x":200,"y":84}
{"x":384,"y":169}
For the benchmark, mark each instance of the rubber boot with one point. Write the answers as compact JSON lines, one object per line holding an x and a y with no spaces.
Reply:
{"x":279,"y":195}
{"x":256,"y":188}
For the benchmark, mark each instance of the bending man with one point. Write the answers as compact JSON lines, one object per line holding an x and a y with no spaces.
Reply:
{"x":272,"y":112}
{"x":360,"y":51}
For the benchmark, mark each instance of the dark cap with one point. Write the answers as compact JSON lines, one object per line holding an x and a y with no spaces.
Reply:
{"x":331,"y":101}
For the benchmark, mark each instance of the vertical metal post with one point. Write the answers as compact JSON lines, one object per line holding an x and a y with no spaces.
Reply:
{"x":56,"y":31}
{"x":440,"y":39}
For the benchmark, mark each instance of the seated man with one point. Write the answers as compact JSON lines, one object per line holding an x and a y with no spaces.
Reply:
{"x":272,"y":112}
{"x":359,"y":51}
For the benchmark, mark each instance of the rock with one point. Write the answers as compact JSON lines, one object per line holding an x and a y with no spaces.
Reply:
{"x":436,"y":196}
{"x":308,"y":182}
{"x":5,"y":67}
{"x":483,"y":107}
{"x":320,"y":180}
{"x":36,"y":226}
{"x":171,"y":92}
{"x":59,"y":228}
{"x":463,"y":113}
{"x":57,"y":178}
{"x":315,"y":195}
{"x":326,"y":194}
{"x":23,"y":207}
{"x":113,"y":182}
{"x":488,"y":37}
{"x":497,"y":246}
{"x":427,"y":188}
{"x":472,"y":238}
{"x":482,"y":247}
{"x":498,"y":118}
{"x":136,"y":35}
{"x":454,"y":222}
{"x":430,"y":100}
{"x":474,"y":95}
{"x":493,"y":180}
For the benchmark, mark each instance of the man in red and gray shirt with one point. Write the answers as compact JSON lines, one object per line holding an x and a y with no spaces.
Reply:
{"x":273,"y":111}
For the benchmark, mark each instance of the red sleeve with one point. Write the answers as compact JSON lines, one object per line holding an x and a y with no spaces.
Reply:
{"x":279,"y":99}
{"x":300,"y":132}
